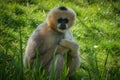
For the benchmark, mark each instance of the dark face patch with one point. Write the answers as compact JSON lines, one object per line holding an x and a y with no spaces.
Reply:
{"x":63,"y":8}
{"x":63,"y":23}
{"x":60,"y":20}
{"x":62,"y":26}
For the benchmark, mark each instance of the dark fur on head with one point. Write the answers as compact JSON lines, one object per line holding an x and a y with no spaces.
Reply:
{"x":62,"y":8}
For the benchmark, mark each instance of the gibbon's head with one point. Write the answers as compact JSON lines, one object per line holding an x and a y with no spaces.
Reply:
{"x":61,"y":19}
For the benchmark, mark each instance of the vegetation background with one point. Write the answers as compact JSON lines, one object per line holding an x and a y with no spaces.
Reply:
{"x":97,"y":30}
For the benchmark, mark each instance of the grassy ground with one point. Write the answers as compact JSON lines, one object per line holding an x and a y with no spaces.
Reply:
{"x":97,"y":30}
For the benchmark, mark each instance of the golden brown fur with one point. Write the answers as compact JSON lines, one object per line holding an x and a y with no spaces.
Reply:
{"x":48,"y":37}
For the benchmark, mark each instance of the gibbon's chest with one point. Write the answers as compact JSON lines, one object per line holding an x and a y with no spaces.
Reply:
{"x":52,"y":39}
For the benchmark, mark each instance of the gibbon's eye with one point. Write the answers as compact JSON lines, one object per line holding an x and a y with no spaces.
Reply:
{"x":60,"y":20}
{"x":65,"y":20}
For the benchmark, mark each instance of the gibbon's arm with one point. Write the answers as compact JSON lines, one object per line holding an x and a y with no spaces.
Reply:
{"x":31,"y":49}
{"x":68,"y":42}
{"x":33,"y":44}
{"x":73,"y":46}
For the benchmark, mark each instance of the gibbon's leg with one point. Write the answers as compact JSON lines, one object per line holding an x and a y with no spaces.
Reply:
{"x":73,"y":64}
{"x":44,"y":59}
{"x":29,"y":53}
{"x":58,"y":65}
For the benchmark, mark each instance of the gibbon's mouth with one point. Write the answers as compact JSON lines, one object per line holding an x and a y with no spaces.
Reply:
{"x":62,"y":28}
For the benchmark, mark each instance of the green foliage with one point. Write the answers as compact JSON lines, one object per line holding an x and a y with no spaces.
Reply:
{"x":97,"y":31}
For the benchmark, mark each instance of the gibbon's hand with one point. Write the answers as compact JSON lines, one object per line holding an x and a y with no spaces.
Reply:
{"x":61,"y":49}
{"x":69,"y":44}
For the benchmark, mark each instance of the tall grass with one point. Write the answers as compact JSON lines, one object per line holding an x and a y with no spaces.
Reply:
{"x":21,"y":55}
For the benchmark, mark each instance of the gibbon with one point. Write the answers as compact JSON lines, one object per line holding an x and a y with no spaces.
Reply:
{"x":54,"y":36}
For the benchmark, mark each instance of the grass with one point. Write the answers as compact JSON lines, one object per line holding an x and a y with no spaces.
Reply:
{"x":97,"y":31}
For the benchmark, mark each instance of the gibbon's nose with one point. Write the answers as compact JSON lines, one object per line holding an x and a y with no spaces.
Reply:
{"x":62,"y":26}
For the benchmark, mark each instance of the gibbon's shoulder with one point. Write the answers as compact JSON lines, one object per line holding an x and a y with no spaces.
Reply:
{"x":39,"y":31}
{"x":40,"y":26}
{"x":36,"y":32}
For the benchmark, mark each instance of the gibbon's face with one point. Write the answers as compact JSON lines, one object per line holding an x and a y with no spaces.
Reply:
{"x":62,"y":24}
{"x":61,"y":19}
